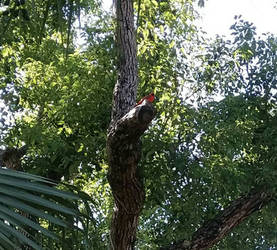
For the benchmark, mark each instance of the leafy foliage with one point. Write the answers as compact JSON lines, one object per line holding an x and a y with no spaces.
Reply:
{"x":214,"y":134}
{"x":211,"y":149}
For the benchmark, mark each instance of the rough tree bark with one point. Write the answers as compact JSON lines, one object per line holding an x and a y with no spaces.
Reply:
{"x":123,"y":141}
{"x":216,"y":229}
{"x":11,"y":157}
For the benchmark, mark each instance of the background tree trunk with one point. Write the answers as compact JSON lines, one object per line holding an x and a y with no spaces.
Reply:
{"x":216,"y":229}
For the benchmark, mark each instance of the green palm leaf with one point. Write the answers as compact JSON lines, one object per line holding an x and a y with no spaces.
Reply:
{"x":26,"y":198}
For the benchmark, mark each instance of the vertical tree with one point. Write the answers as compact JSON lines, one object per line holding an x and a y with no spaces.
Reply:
{"x":123,"y":142}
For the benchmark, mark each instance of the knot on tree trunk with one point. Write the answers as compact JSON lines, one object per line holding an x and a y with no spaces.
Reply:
{"x":124,"y":149}
{"x":146,"y":112}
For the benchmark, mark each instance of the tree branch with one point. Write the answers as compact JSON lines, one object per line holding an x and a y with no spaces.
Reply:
{"x":214,"y":230}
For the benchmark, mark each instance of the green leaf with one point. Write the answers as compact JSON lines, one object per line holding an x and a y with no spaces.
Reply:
{"x":19,"y":194}
{"x":36,"y":187}
{"x":18,"y":235}
{"x":20,"y":220}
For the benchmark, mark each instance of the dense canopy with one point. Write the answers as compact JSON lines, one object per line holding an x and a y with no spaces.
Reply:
{"x":208,"y":156}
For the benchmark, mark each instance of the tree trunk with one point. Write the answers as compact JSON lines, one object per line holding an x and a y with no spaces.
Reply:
{"x":123,"y":141}
{"x":11,"y":157}
{"x":216,"y":229}
{"x":125,"y":90}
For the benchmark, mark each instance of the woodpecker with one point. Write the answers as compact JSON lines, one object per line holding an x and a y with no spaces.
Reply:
{"x":150,"y":98}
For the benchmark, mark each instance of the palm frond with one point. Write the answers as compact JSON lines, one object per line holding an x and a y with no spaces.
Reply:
{"x":26,"y":200}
